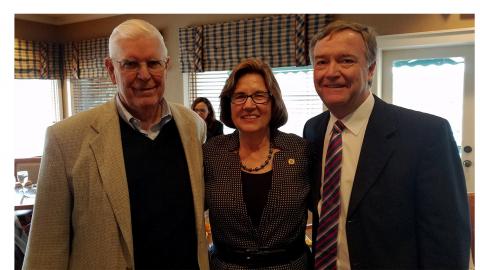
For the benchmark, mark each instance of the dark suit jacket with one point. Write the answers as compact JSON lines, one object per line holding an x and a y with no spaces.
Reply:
{"x":408,"y":207}
{"x":285,"y":214}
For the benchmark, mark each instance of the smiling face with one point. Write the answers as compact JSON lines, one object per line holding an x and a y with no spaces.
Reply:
{"x":249,"y":117}
{"x":341,"y":72}
{"x":140,"y":90}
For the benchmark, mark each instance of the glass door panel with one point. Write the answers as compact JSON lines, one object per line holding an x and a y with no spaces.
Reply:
{"x":438,"y":81}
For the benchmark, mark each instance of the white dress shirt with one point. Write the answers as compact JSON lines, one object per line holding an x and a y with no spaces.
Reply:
{"x":352,"y":139}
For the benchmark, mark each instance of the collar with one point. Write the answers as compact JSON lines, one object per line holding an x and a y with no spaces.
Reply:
{"x":166,"y":115}
{"x":356,"y":120}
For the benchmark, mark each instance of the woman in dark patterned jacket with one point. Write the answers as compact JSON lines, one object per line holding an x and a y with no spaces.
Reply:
{"x":257,"y":179}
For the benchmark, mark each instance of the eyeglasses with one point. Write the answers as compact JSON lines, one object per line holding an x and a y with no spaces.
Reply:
{"x":154,"y":66}
{"x":258,"y":98}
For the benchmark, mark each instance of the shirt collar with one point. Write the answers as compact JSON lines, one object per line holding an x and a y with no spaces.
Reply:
{"x":166,"y":115}
{"x":358,"y":119}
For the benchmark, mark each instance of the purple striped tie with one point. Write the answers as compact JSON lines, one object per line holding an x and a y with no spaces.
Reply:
{"x":326,"y":242}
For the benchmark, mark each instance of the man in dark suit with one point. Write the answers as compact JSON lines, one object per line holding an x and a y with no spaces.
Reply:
{"x":402,"y":200}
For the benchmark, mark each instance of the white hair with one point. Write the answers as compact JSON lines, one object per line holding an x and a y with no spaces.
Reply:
{"x":132,"y":29}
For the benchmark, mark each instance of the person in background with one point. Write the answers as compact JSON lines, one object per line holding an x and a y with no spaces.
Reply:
{"x":121,"y":185}
{"x":257,"y":179}
{"x":392,"y":193}
{"x":203,"y":107}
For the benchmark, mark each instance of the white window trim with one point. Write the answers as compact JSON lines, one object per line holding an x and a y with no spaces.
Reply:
{"x":459,"y":36}
{"x":186,"y":93}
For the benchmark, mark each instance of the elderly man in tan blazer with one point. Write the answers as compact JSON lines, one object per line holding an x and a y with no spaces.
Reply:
{"x":121,"y":185}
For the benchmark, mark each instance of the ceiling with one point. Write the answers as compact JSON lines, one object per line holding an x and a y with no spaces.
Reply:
{"x":60,"y":19}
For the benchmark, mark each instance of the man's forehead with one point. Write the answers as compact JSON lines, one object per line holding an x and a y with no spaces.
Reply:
{"x":344,"y":33}
{"x":142,"y":45}
{"x":346,"y":39}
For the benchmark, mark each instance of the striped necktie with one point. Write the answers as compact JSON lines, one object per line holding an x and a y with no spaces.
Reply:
{"x":326,"y":241}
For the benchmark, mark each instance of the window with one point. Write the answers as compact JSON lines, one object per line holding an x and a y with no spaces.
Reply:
{"x":88,"y":93}
{"x":433,"y":72}
{"x":36,"y":106}
{"x":296,"y":84}
{"x":438,"y":88}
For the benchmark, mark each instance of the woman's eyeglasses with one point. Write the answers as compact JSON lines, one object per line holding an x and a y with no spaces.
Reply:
{"x":258,"y":98}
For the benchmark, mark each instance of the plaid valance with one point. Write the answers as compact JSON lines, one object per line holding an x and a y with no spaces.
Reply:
{"x":38,"y":60}
{"x":49,"y":60}
{"x":279,"y":40}
{"x":85,"y":59}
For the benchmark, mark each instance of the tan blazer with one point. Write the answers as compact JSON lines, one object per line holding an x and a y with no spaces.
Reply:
{"x":81,"y":217}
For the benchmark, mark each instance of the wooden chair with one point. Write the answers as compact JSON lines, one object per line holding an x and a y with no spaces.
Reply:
{"x":32,"y":165}
{"x":471,"y":202}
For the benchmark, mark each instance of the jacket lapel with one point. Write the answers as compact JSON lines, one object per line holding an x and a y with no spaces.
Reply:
{"x":377,"y":149}
{"x":107,"y":149}
{"x":233,"y":174}
{"x":274,"y":203}
{"x":192,"y":133}
{"x":320,"y":130}
{"x":231,"y":177}
{"x":191,"y":148}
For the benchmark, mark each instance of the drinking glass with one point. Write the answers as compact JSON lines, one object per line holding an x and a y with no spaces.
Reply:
{"x":22,"y":177}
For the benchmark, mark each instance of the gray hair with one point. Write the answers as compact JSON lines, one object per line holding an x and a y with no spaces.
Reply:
{"x":368,"y":34}
{"x":132,"y":29}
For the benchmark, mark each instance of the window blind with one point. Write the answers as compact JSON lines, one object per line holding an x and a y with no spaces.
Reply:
{"x":89,"y":93}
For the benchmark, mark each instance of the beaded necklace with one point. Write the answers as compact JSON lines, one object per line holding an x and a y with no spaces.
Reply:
{"x":256,"y":169}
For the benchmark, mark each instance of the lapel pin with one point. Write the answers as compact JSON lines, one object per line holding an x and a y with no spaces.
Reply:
{"x":291,"y":161}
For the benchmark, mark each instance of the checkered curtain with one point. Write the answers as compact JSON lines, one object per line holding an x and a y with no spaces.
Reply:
{"x":85,"y":59}
{"x":189,"y":54}
{"x":281,"y":41}
{"x":38,"y":60}
{"x":314,"y":24}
